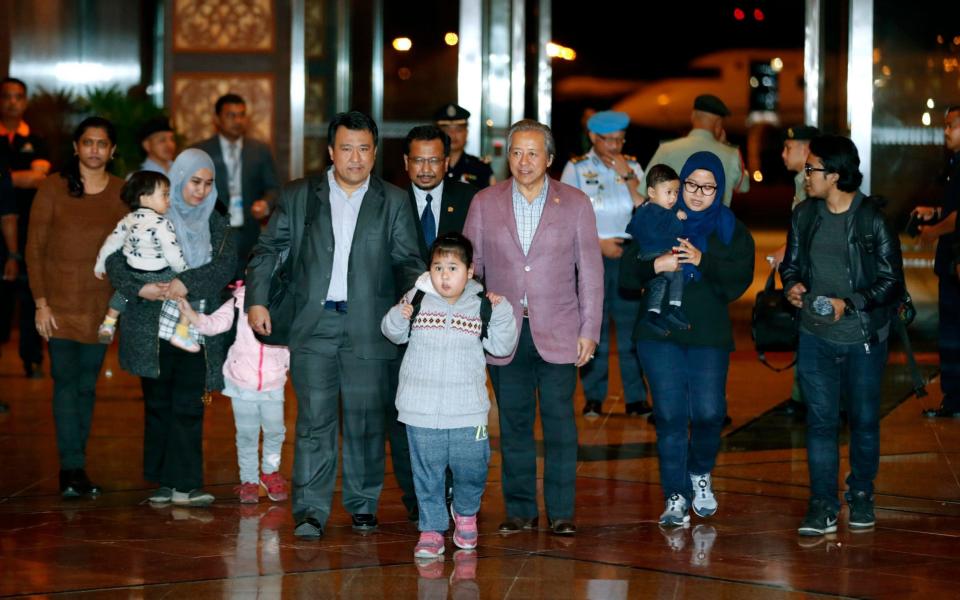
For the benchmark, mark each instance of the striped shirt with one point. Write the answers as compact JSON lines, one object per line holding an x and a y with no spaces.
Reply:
{"x":528,"y":214}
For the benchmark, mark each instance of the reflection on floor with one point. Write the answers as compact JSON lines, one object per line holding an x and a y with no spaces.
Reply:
{"x":119,"y":546}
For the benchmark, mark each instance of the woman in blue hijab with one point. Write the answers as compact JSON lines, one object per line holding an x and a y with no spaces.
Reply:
{"x":687,"y":369}
{"x":175,"y":382}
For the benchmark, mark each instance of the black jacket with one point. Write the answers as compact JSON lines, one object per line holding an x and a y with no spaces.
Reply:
{"x":876,"y":277}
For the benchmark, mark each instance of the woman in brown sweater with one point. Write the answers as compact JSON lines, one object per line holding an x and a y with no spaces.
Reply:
{"x":71,"y":216}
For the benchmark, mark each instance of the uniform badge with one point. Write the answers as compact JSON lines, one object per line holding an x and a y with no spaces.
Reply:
{"x":27,"y":148}
{"x":449,"y":209}
{"x":591,"y":175}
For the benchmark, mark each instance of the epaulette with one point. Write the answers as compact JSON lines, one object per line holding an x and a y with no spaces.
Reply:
{"x":577,"y":159}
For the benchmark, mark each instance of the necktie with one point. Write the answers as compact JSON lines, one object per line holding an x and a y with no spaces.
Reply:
{"x":428,"y":223}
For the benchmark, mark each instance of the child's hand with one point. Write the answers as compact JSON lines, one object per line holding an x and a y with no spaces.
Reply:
{"x":494,"y":298}
{"x":99,"y":274}
{"x":187,"y":311}
{"x":681,"y":215}
{"x":406,"y":309}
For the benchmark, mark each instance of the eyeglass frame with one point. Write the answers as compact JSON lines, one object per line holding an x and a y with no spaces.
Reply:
{"x":809,"y":170}
{"x":700,"y":189}
{"x":433,"y":161}
{"x":606,"y":139}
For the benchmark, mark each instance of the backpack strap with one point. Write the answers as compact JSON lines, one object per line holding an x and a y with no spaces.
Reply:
{"x":864,"y":225}
{"x":415,"y":303}
{"x":486,"y":311}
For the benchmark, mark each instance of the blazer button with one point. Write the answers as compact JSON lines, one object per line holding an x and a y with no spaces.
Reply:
{"x":329,"y":248}
{"x":526,"y":268}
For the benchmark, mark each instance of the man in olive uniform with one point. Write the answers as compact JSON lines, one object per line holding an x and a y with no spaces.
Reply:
{"x":452,"y":119}
{"x":708,"y":135}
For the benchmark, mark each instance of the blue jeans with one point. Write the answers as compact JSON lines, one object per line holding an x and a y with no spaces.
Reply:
{"x":623,"y":307}
{"x":466,"y":451}
{"x":688,"y":385}
{"x":826,"y":371}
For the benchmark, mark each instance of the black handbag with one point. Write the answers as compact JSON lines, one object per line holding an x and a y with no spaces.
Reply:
{"x":280,"y":298}
{"x":775,"y":323}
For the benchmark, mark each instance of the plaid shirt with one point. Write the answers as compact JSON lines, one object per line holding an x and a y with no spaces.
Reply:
{"x":528,"y":214}
{"x":170,"y":316}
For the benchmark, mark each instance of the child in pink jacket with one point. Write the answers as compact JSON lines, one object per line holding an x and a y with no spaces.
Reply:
{"x":254,"y":376}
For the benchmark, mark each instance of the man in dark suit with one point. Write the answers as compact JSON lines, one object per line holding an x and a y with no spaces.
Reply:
{"x":352,"y":263}
{"x":246,"y":176}
{"x":440,"y":206}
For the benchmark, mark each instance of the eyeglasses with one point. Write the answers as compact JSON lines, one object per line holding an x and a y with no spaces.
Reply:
{"x":809,"y":169}
{"x":433,"y":162}
{"x":616,"y":140}
{"x":692,"y":188}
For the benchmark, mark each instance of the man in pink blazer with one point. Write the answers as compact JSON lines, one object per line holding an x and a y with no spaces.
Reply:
{"x":535,"y":242}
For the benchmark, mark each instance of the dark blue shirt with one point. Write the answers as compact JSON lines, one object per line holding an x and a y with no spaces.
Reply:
{"x":655,"y":228}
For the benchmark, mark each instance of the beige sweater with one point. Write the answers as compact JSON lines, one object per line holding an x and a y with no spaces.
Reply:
{"x":62,"y":243}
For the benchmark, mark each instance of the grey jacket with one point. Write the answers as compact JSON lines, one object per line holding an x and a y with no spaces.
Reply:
{"x":140,"y":323}
{"x":443,"y":377}
{"x":384,"y":260}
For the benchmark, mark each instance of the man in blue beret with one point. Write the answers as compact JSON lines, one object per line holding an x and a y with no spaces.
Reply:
{"x":611,"y":178}
{"x":707,"y":135}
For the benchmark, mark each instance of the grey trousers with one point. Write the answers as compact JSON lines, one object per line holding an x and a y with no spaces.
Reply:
{"x":325,"y":371}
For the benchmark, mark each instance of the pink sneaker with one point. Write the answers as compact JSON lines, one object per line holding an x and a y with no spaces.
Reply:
{"x":249,"y":493}
{"x":275,"y":486}
{"x":429,"y":546}
{"x":465,"y":532}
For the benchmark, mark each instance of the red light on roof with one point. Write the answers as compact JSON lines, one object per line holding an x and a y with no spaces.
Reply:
{"x":758,"y":14}
{"x":738,"y":14}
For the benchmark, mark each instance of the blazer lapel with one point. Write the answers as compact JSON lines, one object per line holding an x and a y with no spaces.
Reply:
{"x":551,"y":209}
{"x":447,"y":209}
{"x":421,"y":241}
{"x":369,"y":209}
{"x":506,"y":209}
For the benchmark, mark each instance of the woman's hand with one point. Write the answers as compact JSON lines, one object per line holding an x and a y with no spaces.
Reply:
{"x":154,"y":291}
{"x":176,"y":290}
{"x":666,"y":263}
{"x":45,"y":321}
{"x":688,"y":253}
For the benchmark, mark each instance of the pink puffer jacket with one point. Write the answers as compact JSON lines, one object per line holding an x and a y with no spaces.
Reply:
{"x":250,"y":365}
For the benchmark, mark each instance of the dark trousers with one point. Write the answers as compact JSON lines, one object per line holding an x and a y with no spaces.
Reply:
{"x":324,"y":370}
{"x":75,"y":367}
{"x":826,"y":371}
{"x":517,"y":386}
{"x":173,"y":420}
{"x":620,"y":309}
{"x":11,"y":293}
{"x":399,"y":444}
{"x":688,"y":385}
{"x":949,"y":342}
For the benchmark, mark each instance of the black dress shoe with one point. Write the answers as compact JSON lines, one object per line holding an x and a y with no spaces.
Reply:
{"x":309,"y":528}
{"x":67,"y":488}
{"x":941,"y":413}
{"x":592,"y":409}
{"x":84,"y":485}
{"x":364,"y":522}
{"x":515,"y":524}
{"x":562,"y":527}
{"x":638,"y":409}
{"x":794,"y":408}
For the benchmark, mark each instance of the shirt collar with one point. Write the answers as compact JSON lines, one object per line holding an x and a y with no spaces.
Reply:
{"x":225,"y":144}
{"x":23,"y":130}
{"x":421,"y":195}
{"x":362,"y":190}
{"x":540,"y":197}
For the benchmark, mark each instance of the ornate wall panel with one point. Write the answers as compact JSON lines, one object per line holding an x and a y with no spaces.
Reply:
{"x":194,"y":96}
{"x":223,"y":26}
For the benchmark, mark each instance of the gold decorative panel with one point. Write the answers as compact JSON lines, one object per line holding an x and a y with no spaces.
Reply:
{"x":194,"y":97}
{"x":223,"y":25}
{"x":314,"y":28}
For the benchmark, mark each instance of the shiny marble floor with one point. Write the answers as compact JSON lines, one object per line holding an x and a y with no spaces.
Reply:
{"x":120,"y":546}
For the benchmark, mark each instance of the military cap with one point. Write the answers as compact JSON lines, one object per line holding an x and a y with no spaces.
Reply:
{"x":711,"y":104}
{"x":155,"y":125}
{"x":449,"y":114}
{"x":801,"y":132}
{"x":608,"y":121}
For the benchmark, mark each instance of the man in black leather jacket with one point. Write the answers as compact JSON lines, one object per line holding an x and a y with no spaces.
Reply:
{"x":845,"y":279}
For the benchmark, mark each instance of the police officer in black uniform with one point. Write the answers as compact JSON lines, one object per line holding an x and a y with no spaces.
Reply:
{"x":452,"y":119}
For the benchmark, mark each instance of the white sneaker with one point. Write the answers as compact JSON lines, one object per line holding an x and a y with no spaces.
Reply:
{"x":675,"y":513}
{"x":195,"y":497}
{"x":704,"y":502}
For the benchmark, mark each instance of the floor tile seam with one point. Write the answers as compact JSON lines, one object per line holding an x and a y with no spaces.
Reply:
{"x":516,"y":577}
{"x":685,"y":574}
{"x":953,"y":471}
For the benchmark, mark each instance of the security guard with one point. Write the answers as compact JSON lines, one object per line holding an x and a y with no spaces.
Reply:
{"x":452,"y":119}
{"x":707,"y":134}
{"x":796,"y":147}
{"x":611,"y":178}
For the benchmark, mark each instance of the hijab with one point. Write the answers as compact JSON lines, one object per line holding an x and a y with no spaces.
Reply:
{"x":716,"y":219}
{"x":192,"y":223}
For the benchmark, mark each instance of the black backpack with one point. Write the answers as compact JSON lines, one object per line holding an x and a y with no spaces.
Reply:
{"x":486,"y":309}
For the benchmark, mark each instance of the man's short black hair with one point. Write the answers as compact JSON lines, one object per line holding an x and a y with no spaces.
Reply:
{"x":141,"y":183}
{"x":951,"y":108}
{"x":455,"y":243}
{"x":426,"y":133}
{"x":228,"y":99}
{"x":355,"y":121}
{"x":660,"y":173}
{"x":16,"y":81}
{"x":840,"y":156}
